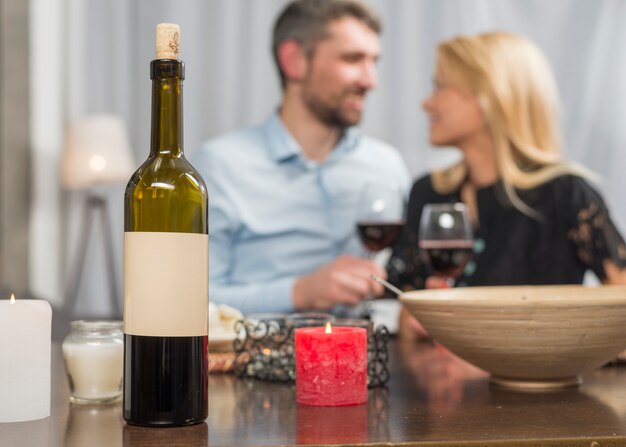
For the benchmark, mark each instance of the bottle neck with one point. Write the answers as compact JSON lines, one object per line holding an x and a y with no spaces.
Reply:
{"x":167,"y":114}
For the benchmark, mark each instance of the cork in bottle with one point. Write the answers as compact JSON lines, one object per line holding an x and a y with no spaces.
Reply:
{"x":167,"y":41}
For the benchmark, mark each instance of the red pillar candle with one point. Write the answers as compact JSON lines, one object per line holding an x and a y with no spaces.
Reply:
{"x":331,"y":367}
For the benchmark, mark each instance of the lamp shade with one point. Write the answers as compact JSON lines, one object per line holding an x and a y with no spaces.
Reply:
{"x":96,"y":151}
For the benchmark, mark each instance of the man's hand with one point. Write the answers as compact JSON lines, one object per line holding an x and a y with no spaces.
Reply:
{"x":347,"y":280}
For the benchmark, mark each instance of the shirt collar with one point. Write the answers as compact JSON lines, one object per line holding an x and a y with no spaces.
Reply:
{"x":283,"y":146}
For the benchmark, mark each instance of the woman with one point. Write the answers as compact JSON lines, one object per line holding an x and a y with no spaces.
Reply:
{"x":536,"y":218}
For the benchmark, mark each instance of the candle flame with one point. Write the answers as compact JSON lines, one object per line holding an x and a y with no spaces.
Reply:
{"x":12,"y":298}
{"x":329,"y":329}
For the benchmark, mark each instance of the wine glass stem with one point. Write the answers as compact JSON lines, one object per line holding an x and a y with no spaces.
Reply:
{"x":366,"y":313}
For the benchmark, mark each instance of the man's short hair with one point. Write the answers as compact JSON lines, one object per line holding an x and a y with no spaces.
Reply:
{"x":305,"y":22}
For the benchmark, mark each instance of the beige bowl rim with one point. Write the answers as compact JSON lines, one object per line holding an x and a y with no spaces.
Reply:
{"x":578,"y":295}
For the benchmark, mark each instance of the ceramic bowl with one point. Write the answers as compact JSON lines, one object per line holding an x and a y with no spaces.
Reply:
{"x":527,"y":337}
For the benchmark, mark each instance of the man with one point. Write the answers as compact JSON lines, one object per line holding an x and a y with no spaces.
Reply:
{"x":282,"y":196}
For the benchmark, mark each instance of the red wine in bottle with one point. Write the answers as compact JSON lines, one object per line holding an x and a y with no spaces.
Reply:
{"x":166,"y":265}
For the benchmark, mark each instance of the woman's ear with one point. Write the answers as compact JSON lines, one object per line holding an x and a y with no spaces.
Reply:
{"x":293,"y":61}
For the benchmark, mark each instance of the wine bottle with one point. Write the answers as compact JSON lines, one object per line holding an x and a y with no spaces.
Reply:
{"x":166,"y":265}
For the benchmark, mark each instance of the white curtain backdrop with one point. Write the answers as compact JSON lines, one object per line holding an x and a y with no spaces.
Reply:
{"x":231,"y":81}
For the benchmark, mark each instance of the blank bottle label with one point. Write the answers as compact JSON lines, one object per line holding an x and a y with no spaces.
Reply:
{"x":166,"y":284}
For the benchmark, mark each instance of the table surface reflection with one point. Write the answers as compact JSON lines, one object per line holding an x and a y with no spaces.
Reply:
{"x":432,"y":398}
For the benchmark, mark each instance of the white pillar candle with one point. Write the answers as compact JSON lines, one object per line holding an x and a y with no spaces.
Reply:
{"x":94,"y":360}
{"x":25,"y":332}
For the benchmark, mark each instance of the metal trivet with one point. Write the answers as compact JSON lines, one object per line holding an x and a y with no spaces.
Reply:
{"x":264,"y":350}
{"x":377,"y":357}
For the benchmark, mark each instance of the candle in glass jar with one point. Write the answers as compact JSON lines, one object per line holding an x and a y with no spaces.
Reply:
{"x":94,"y":356}
{"x":25,"y":334}
{"x":331,"y":366}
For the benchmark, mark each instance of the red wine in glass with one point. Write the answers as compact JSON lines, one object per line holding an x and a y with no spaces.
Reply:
{"x":380,"y":216}
{"x":447,"y":258}
{"x":446,"y":238}
{"x":377,"y":236}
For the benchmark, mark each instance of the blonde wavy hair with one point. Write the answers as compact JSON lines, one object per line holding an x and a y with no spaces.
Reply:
{"x":517,"y":94}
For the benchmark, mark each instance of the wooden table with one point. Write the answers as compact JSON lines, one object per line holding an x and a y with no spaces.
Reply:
{"x":432,"y":399}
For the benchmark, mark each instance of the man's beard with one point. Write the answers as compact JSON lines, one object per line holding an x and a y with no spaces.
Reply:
{"x":331,"y":115}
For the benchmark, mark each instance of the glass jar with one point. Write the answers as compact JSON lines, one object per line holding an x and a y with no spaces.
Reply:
{"x":94,"y":353}
{"x":366,"y":324}
{"x":310,"y":319}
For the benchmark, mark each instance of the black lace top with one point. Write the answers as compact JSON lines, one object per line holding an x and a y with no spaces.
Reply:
{"x":510,"y":248}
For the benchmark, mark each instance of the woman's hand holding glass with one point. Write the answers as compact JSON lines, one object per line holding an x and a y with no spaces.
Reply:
{"x":446,"y":240}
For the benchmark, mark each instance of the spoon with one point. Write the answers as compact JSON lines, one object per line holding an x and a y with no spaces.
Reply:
{"x":387,"y":285}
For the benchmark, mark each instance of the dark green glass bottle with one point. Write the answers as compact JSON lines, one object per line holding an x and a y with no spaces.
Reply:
{"x":165,"y":270}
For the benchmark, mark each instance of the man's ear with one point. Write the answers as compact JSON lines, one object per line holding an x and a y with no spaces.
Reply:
{"x":292,"y":59}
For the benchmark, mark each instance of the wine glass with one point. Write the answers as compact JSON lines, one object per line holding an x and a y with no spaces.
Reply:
{"x":380,"y":218}
{"x":446,"y":238}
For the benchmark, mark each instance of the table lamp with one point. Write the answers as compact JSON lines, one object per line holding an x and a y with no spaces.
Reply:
{"x":96,"y":152}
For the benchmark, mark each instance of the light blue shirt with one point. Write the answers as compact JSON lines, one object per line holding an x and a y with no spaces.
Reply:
{"x":275,"y":215}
